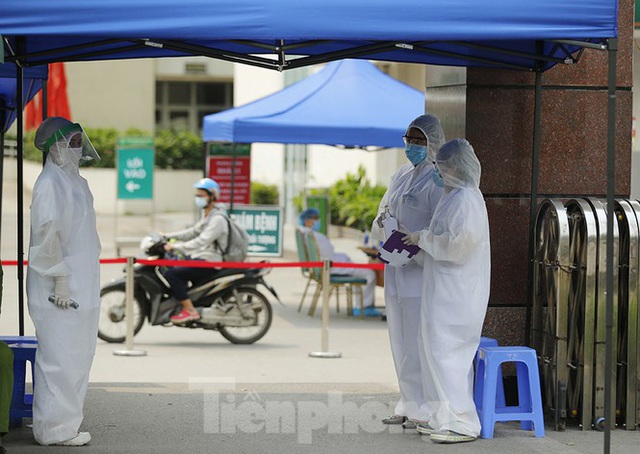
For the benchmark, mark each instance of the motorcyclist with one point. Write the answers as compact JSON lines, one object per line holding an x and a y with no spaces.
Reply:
{"x":202,"y":241}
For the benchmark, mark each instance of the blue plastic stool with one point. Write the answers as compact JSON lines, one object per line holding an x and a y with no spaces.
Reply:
{"x":501,"y":401}
{"x":529,"y":408}
{"x":21,"y":402}
{"x":19,"y":339}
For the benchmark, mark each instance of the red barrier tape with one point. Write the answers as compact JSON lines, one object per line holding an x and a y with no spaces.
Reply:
{"x":203,"y":264}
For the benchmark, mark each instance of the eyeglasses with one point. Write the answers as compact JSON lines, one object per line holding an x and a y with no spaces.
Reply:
{"x":415,"y":140}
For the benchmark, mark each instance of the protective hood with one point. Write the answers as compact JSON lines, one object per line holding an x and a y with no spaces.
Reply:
{"x":65,"y":142}
{"x":458,"y":164}
{"x":432,"y":129}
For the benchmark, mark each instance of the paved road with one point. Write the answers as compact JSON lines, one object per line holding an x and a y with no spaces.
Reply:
{"x":195,"y":392}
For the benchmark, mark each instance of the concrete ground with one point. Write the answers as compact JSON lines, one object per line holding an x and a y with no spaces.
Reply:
{"x":195,"y":392}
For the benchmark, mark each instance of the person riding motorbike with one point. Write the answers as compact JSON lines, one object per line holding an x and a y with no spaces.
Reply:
{"x":202,"y":241}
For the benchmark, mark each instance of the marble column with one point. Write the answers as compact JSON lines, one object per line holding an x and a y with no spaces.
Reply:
{"x":494,"y":110}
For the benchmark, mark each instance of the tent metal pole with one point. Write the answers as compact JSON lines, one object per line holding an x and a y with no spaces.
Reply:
{"x":20,"y":185}
{"x":233,"y":173}
{"x":533,"y":200}
{"x":611,"y":187}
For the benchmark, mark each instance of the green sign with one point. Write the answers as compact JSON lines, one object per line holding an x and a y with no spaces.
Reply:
{"x":135,"y":142}
{"x":229,"y":149}
{"x":320,"y":203}
{"x":264,"y":225}
{"x":135,"y":168}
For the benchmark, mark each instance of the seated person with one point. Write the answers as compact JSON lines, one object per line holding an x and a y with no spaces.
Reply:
{"x":309,"y":221}
{"x":6,"y":389}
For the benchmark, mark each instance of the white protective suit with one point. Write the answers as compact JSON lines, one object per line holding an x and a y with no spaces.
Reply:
{"x":327,"y":251}
{"x":411,"y":198}
{"x":64,"y":243}
{"x":456,"y":290}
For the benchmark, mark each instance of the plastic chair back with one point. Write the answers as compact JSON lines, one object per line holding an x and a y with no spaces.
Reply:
{"x":314,"y":255}
{"x":303,"y":253}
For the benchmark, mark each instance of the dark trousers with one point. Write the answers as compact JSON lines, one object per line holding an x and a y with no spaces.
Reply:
{"x":179,"y":277}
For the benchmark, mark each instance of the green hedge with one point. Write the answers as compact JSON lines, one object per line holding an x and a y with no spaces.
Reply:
{"x":264,"y":194}
{"x":174,"y":150}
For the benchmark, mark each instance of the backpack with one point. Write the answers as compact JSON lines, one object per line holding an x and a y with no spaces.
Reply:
{"x":237,"y":242}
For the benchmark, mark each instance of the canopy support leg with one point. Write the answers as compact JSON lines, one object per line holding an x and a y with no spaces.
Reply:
{"x":611,"y":188}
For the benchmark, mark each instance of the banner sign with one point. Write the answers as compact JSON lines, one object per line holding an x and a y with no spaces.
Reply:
{"x":230,"y":165}
{"x":263,"y":223}
{"x":135,"y":164}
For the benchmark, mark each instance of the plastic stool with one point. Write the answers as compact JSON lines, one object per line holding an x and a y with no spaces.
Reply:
{"x":529,"y":408}
{"x":477,"y":394}
{"x":21,"y":403}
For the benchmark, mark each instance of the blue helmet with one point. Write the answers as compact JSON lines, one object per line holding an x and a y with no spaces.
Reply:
{"x":209,"y":185}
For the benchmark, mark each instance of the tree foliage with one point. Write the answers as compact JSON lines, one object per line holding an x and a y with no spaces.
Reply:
{"x":353,"y":200}
{"x":174,"y":149}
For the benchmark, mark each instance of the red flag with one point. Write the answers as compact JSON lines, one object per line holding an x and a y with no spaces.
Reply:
{"x":33,"y":113}
{"x":58,"y":103}
{"x":57,"y":90}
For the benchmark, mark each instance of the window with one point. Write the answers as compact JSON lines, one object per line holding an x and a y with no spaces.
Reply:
{"x":181,"y":105}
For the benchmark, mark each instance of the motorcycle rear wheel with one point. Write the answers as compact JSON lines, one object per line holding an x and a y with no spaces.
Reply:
{"x":262,"y":312}
{"x":112,"y":327}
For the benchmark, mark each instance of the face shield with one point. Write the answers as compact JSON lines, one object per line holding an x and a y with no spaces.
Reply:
{"x":71,"y":144}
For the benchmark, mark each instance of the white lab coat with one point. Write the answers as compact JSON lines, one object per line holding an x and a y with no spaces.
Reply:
{"x":456,"y":294}
{"x":327,"y":251}
{"x":411,"y":197}
{"x":64,"y":242}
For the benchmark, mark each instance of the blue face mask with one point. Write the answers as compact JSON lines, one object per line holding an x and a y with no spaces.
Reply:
{"x":317,"y":225}
{"x":415,"y":153}
{"x":437,"y":177}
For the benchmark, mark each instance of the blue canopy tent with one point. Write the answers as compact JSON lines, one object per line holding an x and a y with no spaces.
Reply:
{"x":349,"y":102}
{"x":284,"y":34}
{"x":33,"y":81}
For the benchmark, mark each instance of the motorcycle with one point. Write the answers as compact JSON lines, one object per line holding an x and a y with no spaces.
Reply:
{"x":228,"y":301}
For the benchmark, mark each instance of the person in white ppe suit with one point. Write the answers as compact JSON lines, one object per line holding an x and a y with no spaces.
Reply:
{"x":63,"y":283}
{"x":308,"y":222}
{"x":410,"y":199}
{"x":455,"y":293}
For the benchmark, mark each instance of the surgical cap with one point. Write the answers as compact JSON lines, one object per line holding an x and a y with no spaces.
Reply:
{"x":47,"y":129}
{"x":432,"y":129}
{"x":458,"y":164}
{"x":309,"y":213}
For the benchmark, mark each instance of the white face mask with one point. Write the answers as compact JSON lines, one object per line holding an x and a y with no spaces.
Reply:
{"x":77,"y":152}
{"x":201,"y":202}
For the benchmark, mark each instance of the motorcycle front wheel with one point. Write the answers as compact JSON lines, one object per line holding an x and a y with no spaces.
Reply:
{"x":113,"y":325}
{"x":260,"y":311}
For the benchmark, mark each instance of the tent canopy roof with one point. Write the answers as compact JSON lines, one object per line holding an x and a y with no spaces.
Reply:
{"x":283,"y":34}
{"x":349,"y":102}
{"x":33,"y":80}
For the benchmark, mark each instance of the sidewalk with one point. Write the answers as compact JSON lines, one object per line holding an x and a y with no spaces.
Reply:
{"x":195,"y":392}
